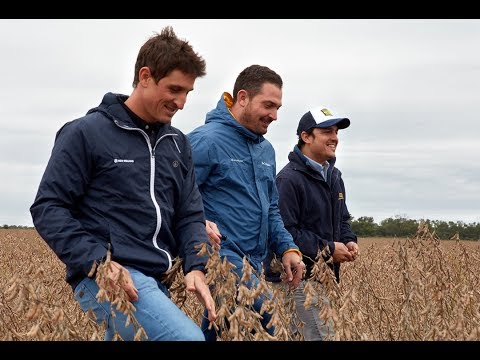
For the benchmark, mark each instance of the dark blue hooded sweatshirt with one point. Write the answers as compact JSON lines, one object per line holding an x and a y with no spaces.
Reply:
{"x":105,"y":186}
{"x":313,"y":210}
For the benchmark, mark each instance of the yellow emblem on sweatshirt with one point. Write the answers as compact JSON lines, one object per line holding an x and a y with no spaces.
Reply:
{"x":340,"y":196}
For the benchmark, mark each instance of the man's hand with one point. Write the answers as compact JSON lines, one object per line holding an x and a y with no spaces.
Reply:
{"x":348,"y":252}
{"x":342,"y":253}
{"x":352,"y":246}
{"x":196,"y":282}
{"x":294,"y":268}
{"x":113,"y":275}
{"x":213,"y":233}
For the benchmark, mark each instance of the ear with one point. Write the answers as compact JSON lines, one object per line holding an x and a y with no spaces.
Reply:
{"x":305,"y":137}
{"x":143,"y":76}
{"x":242,"y":97}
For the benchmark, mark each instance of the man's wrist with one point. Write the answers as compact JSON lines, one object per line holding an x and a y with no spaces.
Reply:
{"x":293,"y":250}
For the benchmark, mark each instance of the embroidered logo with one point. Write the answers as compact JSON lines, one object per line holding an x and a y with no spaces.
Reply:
{"x":326,"y":112}
{"x":340,"y":196}
{"x":123,"y":161}
{"x":175,"y":163}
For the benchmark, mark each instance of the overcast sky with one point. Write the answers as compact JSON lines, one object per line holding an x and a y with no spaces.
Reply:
{"x":411,"y":89}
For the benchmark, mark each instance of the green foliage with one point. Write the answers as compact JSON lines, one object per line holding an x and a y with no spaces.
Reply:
{"x":5,"y":226}
{"x":401,"y":226}
{"x":398,"y":226}
{"x":365,"y":226}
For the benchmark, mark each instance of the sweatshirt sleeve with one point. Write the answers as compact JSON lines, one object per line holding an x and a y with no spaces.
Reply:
{"x":281,"y":239}
{"x":201,"y":156}
{"x":346,"y":233}
{"x":190,"y":220}
{"x":55,"y":208}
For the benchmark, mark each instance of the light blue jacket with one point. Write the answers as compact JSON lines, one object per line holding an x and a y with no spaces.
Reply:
{"x":235,"y":172}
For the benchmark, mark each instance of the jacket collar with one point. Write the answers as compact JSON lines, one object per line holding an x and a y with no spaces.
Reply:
{"x":223,"y":115}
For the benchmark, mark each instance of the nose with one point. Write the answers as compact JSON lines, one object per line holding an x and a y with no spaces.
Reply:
{"x":180,"y":101}
{"x":274,"y":114}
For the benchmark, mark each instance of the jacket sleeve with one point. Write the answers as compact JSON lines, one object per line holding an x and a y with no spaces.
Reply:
{"x":201,"y":157}
{"x":290,"y":205}
{"x":190,"y":220}
{"x":280,"y":239}
{"x":55,"y":208}
{"x":346,"y":233}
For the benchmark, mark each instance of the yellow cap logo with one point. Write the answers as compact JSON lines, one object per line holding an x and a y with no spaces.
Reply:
{"x":326,"y":112}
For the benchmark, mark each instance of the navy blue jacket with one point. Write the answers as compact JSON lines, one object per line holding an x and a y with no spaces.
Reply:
{"x":105,"y":186}
{"x":313,"y":210}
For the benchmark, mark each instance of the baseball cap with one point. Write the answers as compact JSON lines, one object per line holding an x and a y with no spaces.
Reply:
{"x":321,"y":117}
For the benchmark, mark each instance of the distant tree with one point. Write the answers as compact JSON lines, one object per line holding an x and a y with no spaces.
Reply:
{"x":446,"y":230}
{"x":400,"y":226}
{"x":365,"y":226}
{"x":470,"y":232}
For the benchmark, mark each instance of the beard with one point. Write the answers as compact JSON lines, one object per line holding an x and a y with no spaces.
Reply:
{"x":252,"y":123}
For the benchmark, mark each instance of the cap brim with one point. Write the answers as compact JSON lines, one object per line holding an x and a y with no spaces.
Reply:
{"x":341,"y":123}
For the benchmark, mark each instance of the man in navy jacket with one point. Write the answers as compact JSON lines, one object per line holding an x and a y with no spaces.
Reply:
{"x":121,"y":179}
{"x":312,"y":203}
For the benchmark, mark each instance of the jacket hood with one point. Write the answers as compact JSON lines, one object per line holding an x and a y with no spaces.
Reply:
{"x":112,"y":108}
{"x":221,"y":114}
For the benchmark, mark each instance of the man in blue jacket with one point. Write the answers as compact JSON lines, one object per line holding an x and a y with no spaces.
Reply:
{"x":235,"y":172}
{"x":121,"y":178}
{"x":314,"y":210}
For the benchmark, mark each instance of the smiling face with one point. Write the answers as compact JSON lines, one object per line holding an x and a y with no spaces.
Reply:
{"x":258,"y":112}
{"x":158,"y":102}
{"x":321,"y":144}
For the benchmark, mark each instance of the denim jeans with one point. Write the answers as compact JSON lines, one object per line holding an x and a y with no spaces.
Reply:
{"x":159,"y":316}
{"x":315,"y":329}
{"x":211,"y":335}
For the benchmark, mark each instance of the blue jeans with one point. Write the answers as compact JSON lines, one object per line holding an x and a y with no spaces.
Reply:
{"x":211,"y":335}
{"x":159,"y":316}
{"x":315,"y":329}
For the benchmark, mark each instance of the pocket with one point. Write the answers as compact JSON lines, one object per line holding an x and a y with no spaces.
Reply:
{"x":85,"y":293}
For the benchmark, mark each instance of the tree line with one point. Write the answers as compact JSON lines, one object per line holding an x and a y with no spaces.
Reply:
{"x":401,"y":226}
{"x":398,"y":226}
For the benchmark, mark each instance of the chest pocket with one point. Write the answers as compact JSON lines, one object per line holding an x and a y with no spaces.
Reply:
{"x":265,"y":172}
{"x":236,"y":171}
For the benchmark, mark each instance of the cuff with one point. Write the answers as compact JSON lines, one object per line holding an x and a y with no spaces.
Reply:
{"x":295,"y":250}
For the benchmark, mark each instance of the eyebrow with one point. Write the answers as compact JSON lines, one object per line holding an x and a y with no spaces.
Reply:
{"x":271,"y":103}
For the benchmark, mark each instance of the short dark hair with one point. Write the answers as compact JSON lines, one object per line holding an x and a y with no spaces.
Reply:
{"x":252,"y":78}
{"x":165,"y":52}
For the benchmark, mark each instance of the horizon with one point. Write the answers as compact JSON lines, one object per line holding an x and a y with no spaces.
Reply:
{"x":409,"y":87}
